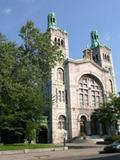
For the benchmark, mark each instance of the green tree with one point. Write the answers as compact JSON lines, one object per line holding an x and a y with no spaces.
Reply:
{"x":24,"y":71}
{"x":109,"y":113}
{"x":39,"y":49}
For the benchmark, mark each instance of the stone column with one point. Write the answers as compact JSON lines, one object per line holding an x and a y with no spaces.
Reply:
{"x":88,"y":127}
{"x":118,"y":123}
{"x":100,"y":130}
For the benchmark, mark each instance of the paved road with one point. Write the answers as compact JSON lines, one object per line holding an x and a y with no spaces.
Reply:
{"x":95,"y":157}
{"x":104,"y":157}
{"x":72,"y":154}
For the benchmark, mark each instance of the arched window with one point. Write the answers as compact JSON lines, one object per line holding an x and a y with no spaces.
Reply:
{"x":59,"y":41}
{"x":53,"y":20}
{"x":55,"y":39}
{"x":108,"y":58}
{"x":105,"y":56}
{"x":60,"y":74}
{"x":62,"y":43}
{"x":94,"y":58}
{"x":90,"y":91}
{"x":111,"y":86}
{"x":97,"y":57}
{"x":62,"y":122}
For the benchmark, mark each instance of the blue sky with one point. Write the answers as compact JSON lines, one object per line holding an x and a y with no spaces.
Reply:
{"x":77,"y":17}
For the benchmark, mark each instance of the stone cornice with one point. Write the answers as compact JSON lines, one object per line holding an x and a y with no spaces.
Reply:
{"x":82,"y":61}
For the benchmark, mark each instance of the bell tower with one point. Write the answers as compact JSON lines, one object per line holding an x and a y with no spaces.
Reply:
{"x":60,"y":37}
{"x":102,"y":55}
{"x":58,"y":80}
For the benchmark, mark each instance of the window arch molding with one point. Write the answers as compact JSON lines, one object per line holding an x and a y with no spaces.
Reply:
{"x":94,"y":75}
{"x":91,"y":76}
{"x":61,"y":122}
{"x":60,"y":74}
{"x":85,"y":115}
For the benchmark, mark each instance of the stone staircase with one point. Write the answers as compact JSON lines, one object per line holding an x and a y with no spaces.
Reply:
{"x":95,"y":138}
{"x":88,"y":142}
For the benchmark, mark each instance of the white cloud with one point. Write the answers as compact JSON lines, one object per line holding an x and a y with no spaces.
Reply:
{"x":7,"y":11}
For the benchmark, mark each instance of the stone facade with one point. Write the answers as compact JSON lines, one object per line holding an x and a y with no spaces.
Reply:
{"x":78,"y":87}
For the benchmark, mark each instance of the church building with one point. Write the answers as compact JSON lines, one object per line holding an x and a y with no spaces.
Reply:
{"x":78,"y":86}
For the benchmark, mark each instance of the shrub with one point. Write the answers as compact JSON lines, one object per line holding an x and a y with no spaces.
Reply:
{"x":111,"y":138}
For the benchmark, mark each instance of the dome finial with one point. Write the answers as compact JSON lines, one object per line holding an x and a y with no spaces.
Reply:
{"x":94,"y":39}
{"x":52,"y":22}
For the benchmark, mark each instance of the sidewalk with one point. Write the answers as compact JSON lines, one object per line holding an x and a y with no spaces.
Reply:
{"x":25,"y":151}
{"x":70,"y":146}
{"x":52,"y":155}
{"x":76,"y":144}
{"x":87,"y":148}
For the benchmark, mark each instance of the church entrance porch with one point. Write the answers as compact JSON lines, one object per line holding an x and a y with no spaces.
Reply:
{"x":97,"y":128}
{"x":89,"y":127}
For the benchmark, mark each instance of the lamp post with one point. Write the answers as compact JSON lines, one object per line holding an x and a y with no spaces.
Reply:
{"x":118,"y":123}
{"x":64,"y":138}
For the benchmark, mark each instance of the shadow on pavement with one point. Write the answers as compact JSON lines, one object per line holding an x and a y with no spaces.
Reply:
{"x":108,"y":157}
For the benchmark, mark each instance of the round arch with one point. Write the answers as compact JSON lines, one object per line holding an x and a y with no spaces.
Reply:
{"x":82,"y":122}
{"x":60,"y":74}
{"x":83,"y":114}
{"x":61,"y":121}
{"x":42,"y":134}
{"x":90,"y":91}
{"x":94,"y":75}
{"x":59,"y":114}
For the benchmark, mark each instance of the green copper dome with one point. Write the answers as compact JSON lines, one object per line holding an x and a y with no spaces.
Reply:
{"x":52,"y":22}
{"x":94,"y":39}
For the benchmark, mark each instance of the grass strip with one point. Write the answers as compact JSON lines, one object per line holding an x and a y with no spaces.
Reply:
{"x":21,"y":146}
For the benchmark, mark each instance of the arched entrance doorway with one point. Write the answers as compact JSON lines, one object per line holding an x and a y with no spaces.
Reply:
{"x":43,"y":135}
{"x":97,"y":128}
{"x":94,"y":127}
{"x":83,"y":126}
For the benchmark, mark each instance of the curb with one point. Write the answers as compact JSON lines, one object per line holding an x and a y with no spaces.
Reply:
{"x":25,"y":151}
{"x":83,"y":147}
